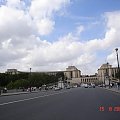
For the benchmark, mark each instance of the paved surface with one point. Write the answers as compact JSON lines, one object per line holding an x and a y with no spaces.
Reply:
{"x":16,"y":92}
{"x":113,"y":89}
{"x":73,"y":104}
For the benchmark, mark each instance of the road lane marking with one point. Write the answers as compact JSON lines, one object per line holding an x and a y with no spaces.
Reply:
{"x":16,"y":101}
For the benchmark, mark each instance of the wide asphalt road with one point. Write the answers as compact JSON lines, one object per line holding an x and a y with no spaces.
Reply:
{"x":72,"y":104}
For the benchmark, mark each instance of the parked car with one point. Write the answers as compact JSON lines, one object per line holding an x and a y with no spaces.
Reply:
{"x":93,"y":85}
{"x":90,"y":86}
{"x":100,"y":85}
{"x":5,"y":90}
{"x":86,"y":86}
{"x":57,"y":88}
{"x":68,"y":87}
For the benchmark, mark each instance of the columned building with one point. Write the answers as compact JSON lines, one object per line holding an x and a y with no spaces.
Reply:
{"x":12,"y":71}
{"x":74,"y":76}
{"x":72,"y":72}
{"x":86,"y":79}
{"x":106,"y":71}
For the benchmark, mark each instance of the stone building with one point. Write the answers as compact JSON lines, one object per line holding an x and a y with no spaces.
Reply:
{"x":12,"y":71}
{"x":107,"y":72}
{"x":87,"y":79}
{"x":74,"y":76}
{"x":72,"y":72}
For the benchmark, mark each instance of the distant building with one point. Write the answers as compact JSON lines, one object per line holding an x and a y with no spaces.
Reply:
{"x":60,"y":84}
{"x":12,"y":71}
{"x":74,"y":76}
{"x":51,"y":72}
{"x":106,"y":71}
{"x":72,"y":72}
{"x":87,"y":79}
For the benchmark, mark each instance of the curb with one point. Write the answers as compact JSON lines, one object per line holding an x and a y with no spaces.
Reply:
{"x":112,"y":90}
{"x":10,"y":94}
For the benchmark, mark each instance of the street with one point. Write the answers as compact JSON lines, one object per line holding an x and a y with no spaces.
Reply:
{"x":71,"y":104}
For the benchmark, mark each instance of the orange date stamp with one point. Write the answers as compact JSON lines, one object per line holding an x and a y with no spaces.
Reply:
{"x":110,"y":109}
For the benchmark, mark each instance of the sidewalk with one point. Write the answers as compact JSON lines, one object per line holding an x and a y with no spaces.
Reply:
{"x":17,"y":93}
{"x":114,"y":89}
{"x":14,"y":93}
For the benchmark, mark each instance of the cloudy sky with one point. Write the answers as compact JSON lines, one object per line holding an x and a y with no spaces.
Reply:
{"x":53,"y":34}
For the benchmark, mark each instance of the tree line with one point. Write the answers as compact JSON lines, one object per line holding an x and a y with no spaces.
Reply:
{"x":26,"y":80}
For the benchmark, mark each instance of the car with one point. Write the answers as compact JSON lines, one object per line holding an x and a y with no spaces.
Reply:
{"x":100,"y":85}
{"x":86,"y":86}
{"x":75,"y":86}
{"x":93,"y":85}
{"x":68,"y":87}
{"x":90,"y":86}
{"x":57,"y":88}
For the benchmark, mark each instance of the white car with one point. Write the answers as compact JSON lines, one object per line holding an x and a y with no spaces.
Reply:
{"x":57,"y":88}
{"x":86,"y":86}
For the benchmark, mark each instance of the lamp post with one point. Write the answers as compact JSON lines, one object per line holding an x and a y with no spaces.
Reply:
{"x":30,"y":71}
{"x":118,"y":67}
{"x":108,"y":74}
{"x":30,"y":80}
{"x":104,"y":79}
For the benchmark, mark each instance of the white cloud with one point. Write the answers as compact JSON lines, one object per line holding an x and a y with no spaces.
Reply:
{"x":21,"y":45}
{"x":45,"y":26}
{"x":6,"y":44}
{"x":42,"y":13}
{"x":112,"y":58}
{"x":45,"y":8}
{"x":80,"y":29}
{"x":113,"y":27}
{"x":14,"y":22}
{"x":13,"y":3}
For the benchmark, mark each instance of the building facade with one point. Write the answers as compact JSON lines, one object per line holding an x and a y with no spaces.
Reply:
{"x":72,"y":72}
{"x":74,"y":76}
{"x":86,"y":79}
{"x":12,"y":71}
{"x":107,"y":72}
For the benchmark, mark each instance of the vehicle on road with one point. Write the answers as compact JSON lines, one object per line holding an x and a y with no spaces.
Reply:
{"x":57,"y":88}
{"x":86,"y":86}
{"x":68,"y":87}
{"x":93,"y":85}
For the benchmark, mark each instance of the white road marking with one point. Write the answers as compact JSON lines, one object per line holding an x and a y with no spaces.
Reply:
{"x":31,"y":98}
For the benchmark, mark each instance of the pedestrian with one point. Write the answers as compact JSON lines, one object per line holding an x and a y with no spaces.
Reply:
{"x":23,"y":89}
{"x":30,"y":89}
{"x":118,"y":85}
{"x":111,"y":85}
{"x":5,"y":90}
{"x":0,"y":90}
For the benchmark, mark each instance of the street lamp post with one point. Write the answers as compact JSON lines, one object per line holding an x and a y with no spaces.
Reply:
{"x":30,"y":71}
{"x":30,"y":78}
{"x":104,"y":79}
{"x":118,"y":66}
{"x":108,"y":73}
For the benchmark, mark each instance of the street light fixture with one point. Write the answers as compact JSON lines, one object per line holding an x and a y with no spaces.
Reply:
{"x":30,"y":78}
{"x":118,"y":66}
{"x":108,"y":73}
{"x":30,"y":71}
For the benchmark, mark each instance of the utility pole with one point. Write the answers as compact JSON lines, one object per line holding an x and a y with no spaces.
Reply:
{"x":108,"y":73}
{"x":118,"y":67}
